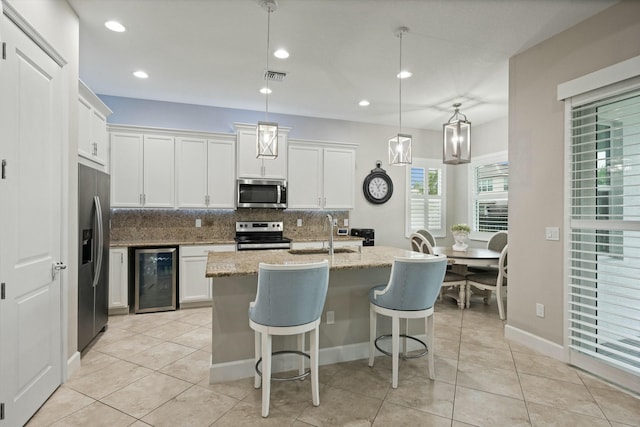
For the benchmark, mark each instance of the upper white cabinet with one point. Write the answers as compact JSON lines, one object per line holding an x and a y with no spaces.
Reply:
{"x":206,"y":171}
{"x":321,"y":175}
{"x":92,"y":127}
{"x":247,"y":164}
{"x":142,"y":169}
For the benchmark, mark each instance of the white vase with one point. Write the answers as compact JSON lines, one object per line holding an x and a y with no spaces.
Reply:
{"x":460,"y":237}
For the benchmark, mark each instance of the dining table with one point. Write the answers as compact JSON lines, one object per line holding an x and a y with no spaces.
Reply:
{"x":472,"y":257}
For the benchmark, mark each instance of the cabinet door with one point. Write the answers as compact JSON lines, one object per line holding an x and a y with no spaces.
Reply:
{"x":221,"y":176}
{"x":99,"y":137}
{"x":118,"y":284}
{"x":194,"y":286}
{"x":159,"y":171}
{"x":84,"y":128}
{"x":126,"y":170}
{"x":250,"y":167}
{"x":339,"y":178}
{"x":304,"y":190}
{"x":191,"y":164}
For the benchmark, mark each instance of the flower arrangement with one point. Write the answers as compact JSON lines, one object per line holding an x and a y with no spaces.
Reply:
{"x":460,"y":228}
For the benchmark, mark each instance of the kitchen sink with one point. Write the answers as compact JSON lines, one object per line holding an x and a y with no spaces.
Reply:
{"x":321,"y":251}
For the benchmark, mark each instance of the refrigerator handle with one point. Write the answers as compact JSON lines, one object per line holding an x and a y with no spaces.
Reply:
{"x":98,"y":207}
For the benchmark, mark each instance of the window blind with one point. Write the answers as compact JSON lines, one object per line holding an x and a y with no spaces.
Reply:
{"x":604,"y":246}
{"x":491,"y":188}
{"x":425,"y":206}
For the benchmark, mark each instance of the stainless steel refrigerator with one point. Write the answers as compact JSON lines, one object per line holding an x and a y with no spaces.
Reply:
{"x":93,"y":253}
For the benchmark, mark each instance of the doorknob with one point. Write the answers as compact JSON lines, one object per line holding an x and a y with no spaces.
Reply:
{"x":57,"y":267}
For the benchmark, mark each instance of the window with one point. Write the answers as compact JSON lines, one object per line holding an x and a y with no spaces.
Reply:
{"x":490,"y":194}
{"x":425,"y":204}
{"x":604,"y":226}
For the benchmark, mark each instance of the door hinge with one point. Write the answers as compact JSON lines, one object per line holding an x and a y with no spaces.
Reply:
{"x":1,"y":411}
{"x":4,"y":168}
{"x":2,"y":294}
{"x":4,"y":50}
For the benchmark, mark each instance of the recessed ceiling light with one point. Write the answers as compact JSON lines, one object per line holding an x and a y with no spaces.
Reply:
{"x":281,"y":53}
{"x":140,"y":74}
{"x":115,"y":26}
{"x":363,"y":103}
{"x":404,"y":74}
{"x":265,"y":90}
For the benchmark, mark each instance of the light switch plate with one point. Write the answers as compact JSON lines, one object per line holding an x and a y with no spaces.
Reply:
{"x":198,"y":223}
{"x":552,"y":233}
{"x":299,"y":222}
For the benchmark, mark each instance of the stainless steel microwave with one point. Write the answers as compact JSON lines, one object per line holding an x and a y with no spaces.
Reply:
{"x":262,"y":193}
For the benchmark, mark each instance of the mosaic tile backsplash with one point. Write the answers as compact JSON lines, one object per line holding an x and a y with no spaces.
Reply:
{"x":178,"y":226}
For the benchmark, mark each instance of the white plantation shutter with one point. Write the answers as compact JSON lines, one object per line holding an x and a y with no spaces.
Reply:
{"x":491,"y":196}
{"x":425,"y":197}
{"x":604,"y":239}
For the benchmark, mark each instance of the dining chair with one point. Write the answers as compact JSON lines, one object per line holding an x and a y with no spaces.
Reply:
{"x":453,"y":284}
{"x":496,"y":242}
{"x":411,"y":292}
{"x":427,"y":235}
{"x":493,"y":280}
{"x":289,"y":301}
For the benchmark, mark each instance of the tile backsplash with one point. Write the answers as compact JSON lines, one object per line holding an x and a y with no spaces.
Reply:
{"x":162,"y":225}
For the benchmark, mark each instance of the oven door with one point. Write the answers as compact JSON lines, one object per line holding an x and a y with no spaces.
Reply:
{"x":261,"y":193}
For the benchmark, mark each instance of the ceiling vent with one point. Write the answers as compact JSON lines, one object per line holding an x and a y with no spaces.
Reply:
{"x":274,"y":76}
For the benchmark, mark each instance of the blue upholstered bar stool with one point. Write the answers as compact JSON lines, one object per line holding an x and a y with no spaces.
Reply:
{"x":289,"y":301}
{"x":412,"y":290}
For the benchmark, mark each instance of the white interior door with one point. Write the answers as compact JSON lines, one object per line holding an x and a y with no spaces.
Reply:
{"x":30,"y":226}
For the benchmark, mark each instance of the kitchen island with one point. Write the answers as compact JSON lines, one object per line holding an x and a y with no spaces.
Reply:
{"x":353,"y":271}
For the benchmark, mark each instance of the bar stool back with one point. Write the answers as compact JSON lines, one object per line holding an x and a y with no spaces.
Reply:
{"x":412,"y":290}
{"x":289,"y":301}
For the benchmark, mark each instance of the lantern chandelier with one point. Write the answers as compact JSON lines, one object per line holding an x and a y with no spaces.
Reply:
{"x":266,"y":131}
{"x":400,"y":145}
{"x":456,"y":138}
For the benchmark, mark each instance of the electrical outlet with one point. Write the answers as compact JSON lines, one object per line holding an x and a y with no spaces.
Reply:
{"x":299,"y":222}
{"x":198,"y":223}
{"x":540,"y":310}
{"x":331,"y":317}
{"x":345,"y":222}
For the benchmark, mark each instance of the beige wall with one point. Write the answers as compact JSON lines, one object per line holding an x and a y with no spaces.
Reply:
{"x":536,"y":157}
{"x":57,"y":23}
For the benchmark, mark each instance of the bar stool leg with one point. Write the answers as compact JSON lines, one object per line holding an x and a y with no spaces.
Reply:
{"x":257,"y":378}
{"x":313,"y":350}
{"x":301,"y":345}
{"x":430,"y":330}
{"x":266,"y":373}
{"x":406,"y":334}
{"x":372,"y":335}
{"x":395,"y":344}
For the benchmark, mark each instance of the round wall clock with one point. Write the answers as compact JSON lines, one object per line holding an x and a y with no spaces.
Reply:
{"x":377,"y":186}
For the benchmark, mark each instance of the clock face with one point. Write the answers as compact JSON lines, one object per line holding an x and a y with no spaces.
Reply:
{"x":377,"y":187}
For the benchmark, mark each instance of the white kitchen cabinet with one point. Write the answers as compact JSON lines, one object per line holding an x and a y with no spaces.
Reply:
{"x":247,"y":164}
{"x":206,"y":171}
{"x":118,"y":281}
{"x":321,"y":176}
{"x":92,"y":127}
{"x":195,"y":288}
{"x":142,"y":170}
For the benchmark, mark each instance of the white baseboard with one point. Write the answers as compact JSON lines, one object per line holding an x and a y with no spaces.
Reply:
{"x":536,"y":343}
{"x":73,"y":364}
{"x":229,"y":371}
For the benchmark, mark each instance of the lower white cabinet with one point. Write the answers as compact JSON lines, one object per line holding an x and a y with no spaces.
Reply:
{"x":118,"y":281}
{"x":195,"y":288}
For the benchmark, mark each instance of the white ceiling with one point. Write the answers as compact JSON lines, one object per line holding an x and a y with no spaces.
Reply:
{"x":213,"y":52}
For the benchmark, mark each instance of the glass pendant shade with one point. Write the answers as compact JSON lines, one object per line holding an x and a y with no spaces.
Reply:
{"x":267,"y":140}
{"x":456,"y":142}
{"x":400,"y":150}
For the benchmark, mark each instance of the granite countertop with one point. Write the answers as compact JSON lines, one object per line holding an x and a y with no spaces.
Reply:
{"x":225,"y":264}
{"x":139,"y":243}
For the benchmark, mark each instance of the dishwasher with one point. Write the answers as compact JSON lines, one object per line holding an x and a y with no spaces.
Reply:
{"x":155,"y":279}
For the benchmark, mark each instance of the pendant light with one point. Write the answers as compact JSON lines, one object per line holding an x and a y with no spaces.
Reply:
{"x":266,"y":131}
{"x":456,"y":139}
{"x":400,"y":145}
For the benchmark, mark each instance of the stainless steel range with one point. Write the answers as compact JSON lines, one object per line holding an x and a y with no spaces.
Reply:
{"x":260,"y":235}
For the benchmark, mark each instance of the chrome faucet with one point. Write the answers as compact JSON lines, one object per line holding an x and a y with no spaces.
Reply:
{"x":330,"y":219}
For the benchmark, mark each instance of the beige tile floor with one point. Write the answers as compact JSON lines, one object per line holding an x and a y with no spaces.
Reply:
{"x":152,"y":369}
